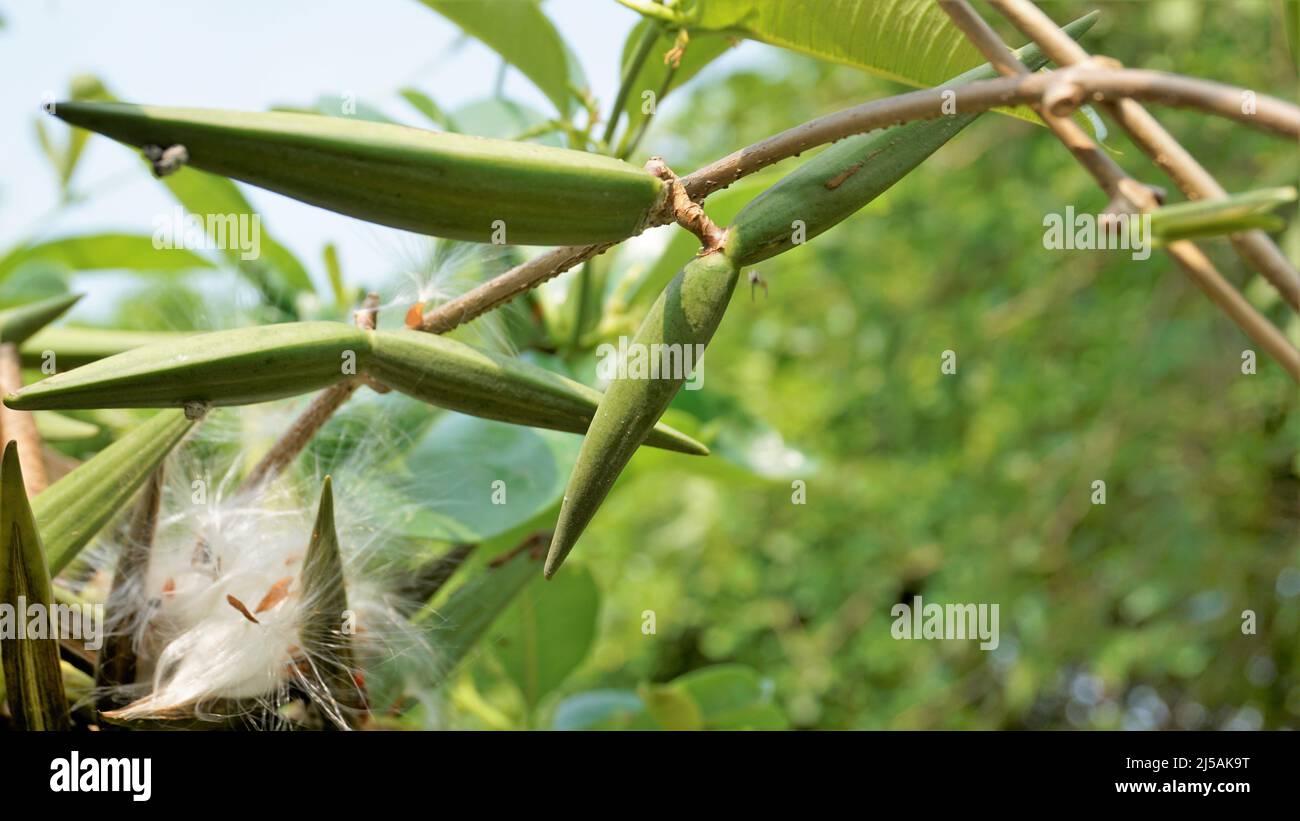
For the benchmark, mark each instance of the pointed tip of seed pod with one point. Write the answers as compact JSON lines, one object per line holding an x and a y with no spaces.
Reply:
{"x":11,"y":474}
{"x":19,"y":323}
{"x":14,"y":400}
{"x":561,"y":544}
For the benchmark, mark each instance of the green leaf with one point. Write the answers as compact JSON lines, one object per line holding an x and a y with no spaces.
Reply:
{"x":424,"y":104}
{"x":547,"y":632}
{"x":731,"y":697}
{"x":337,"y":105}
{"x":671,"y":708}
{"x":520,"y":32}
{"x":103,"y":252}
{"x":19,"y":323}
{"x":72,"y":510}
{"x":736,"y":435}
{"x":55,"y":427}
{"x":456,"y":626}
{"x":330,"y":256}
{"x":33,"y":677}
{"x":909,"y":41}
{"x":701,"y":49}
{"x":277,"y":270}
{"x":602,"y":710}
{"x":471,"y":454}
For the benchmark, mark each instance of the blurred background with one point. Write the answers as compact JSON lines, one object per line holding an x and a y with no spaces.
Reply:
{"x":1072,"y":367}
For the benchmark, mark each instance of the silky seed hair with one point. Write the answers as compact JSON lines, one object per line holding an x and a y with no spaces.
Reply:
{"x":216,"y":615}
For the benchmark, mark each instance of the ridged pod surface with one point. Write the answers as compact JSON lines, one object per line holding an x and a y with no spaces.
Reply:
{"x":686,"y":313}
{"x":447,"y":185}
{"x":250,"y":365}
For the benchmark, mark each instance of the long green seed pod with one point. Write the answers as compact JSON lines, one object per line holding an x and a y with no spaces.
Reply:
{"x":21,"y":322}
{"x":686,"y":313}
{"x":838,"y":182}
{"x":237,"y":367}
{"x":448,"y":185}
{"x":249,"y":365}
{"x":33,"y":678}
{"x":451,"y":375}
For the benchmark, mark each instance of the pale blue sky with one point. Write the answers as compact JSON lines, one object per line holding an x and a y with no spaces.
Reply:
{"x":250,"y":54}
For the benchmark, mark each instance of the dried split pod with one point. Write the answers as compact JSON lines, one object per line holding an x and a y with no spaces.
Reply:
{"x":448,"y":185}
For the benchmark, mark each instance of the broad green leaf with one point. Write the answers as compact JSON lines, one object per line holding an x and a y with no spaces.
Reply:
{"x":731,"y":697}
{"x":520,"y":32}
{"x":72,"y":347}
{"x":72,"y":510}
{"x":459,"y":461}
{"x":20,"y":323}
{"x":908,"y":41}
{"x":103,"y":252}
{"x":33,"y":677}
{"x":547,"y":632}
{"x":670,"y":707}
{"x":602,"y":710}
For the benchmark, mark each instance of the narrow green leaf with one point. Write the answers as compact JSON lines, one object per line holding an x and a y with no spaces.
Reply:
{"x":72,"y":347}
{"x":55,"y":427}
{"x":457,"y":625}
{"x":72,"y":510}
{"x":20,"y":323}
{"x":520,"y":32}
{"x":335,"y":273}
{"x":424,"y":104}
{"x":1210,"y":218}
{"x":103,"y":252}
{"x":33,"y":676}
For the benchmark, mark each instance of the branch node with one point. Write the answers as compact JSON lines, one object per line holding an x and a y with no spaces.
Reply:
{"x":686,"y":212}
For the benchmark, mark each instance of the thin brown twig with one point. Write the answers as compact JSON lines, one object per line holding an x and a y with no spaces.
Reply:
{"x":20,"y":426}
{"x":1127,"y":194}
{"x":311,"y":420}
{"x":1094,"y":83}
{"x":1258,"y":250}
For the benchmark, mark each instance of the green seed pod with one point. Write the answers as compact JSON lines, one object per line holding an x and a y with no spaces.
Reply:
{"x":259,"y":364}
{"x":72,"y":510}
{"x":17,"y":324}
{"x":448,"y":185}
{"x":686,"y":313}
{"x":851,"y":173}
{"x":452,"y":375}
{"x":31,"y":666}
{"x":236,"y":367}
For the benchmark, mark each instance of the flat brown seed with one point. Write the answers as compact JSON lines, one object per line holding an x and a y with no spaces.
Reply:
{"x":239,"y":605}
